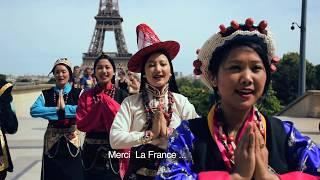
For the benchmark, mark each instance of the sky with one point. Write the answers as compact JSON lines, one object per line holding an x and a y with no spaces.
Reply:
{"x":35,"y":33}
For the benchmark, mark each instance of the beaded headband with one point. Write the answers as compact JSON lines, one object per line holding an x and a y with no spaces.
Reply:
{"x":248,"y":30}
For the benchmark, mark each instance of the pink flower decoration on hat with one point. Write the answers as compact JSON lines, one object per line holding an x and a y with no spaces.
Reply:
{"x":223,"y":29}
{"x":235,"y":24}
{"x":197,"y":65}
{"x":249,"y":22}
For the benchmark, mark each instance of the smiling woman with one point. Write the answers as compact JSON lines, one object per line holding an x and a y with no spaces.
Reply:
{"x":58,"y":105}
{"x":145,"y":120}
{"x":235,"y":140}
{"x":96,"y":110}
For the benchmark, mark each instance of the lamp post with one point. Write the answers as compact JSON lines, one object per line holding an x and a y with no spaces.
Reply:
{"x":302,"y":63}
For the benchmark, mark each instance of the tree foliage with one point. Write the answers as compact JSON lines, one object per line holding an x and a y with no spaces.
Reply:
{"x":317,"y":77}
{"x":269,"y":105}
{"x":197,"y":94}
{"x":285,"y":79}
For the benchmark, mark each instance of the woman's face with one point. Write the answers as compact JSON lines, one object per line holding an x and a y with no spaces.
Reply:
{"x":104,"y":71}
{"x":61,"y":75}
{"x":157,"y":70}
{"x":241,"y":78}
{"x":88,"y":71}
{"x":76,"y":71}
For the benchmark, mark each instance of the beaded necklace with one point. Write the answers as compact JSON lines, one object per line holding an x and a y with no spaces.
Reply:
{"x":227,"y":144}
{"x":110,"y":92}
{"x":150,"y":111}
{"x":65,"y":97}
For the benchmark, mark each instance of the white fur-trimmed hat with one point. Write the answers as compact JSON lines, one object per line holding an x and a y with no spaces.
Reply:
{"x":63,"y":61}
{"x":245,"y":31}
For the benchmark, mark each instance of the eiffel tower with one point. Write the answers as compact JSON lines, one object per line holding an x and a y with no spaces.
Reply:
{"x":107,"y":19}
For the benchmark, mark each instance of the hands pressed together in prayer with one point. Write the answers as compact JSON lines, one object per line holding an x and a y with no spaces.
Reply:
{"x":159,"y":124}
{"x":251,"y":157}
{"x":61,"y":104}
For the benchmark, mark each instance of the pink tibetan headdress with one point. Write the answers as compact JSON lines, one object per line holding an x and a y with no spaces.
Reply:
{"x":148,"y":42}
{"x":228,"y":34}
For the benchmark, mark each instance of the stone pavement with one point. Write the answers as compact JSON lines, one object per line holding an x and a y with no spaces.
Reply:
{"x":26,"y":149}
{"x":26,"y":144}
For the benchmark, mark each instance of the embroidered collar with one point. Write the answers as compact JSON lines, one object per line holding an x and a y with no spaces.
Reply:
{"x":159,"y":95}
{"x":227,"y":145}
{"x":156,"y":92}
{"x":66,"y":88}
{"x":107,"y":87}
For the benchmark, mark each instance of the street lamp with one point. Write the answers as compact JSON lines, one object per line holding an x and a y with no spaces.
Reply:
{"x":292,"y":25}
{"x":302,"y":64}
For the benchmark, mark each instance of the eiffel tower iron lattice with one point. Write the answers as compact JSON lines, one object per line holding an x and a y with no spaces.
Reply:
{"x":107,"y":19}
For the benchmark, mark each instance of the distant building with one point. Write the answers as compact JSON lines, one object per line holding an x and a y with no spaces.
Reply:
{"x":178,"y":75}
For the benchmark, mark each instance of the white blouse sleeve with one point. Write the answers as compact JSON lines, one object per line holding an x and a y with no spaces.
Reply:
{"x":187,"y":109}
{"x":120,"y":135}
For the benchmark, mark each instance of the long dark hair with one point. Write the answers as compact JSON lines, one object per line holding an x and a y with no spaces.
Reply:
{"x":221,"y":53}
{"x":105,"y":56}
{"x":172,"y":81}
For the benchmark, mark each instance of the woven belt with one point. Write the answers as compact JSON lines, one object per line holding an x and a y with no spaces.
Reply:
{"x":61,"y":130}
{"x":96,"y":141}
{"x":146,"y":172}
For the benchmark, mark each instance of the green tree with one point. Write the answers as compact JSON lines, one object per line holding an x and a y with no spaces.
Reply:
{"x":317,"y":77}
{"x":197,"y":94}
{"x":270,"y":105}
{"x":285,"y":80}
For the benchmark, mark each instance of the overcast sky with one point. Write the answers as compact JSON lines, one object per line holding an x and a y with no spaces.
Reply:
{"x":35,"y":33}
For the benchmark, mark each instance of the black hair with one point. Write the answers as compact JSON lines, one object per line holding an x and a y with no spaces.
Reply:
{"x":172,"y":81}
{"x":253,"y":42}
{"x":105,"y":56}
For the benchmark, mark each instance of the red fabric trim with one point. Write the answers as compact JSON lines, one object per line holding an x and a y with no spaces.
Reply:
{"x":136,"y":61}
{"x":94,"y":116}
{"x":216,"y":175}
{"x":298,"y":176}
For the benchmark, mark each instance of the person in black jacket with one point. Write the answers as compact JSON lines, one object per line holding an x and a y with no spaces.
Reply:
{"x":235,"y":140}
{"x":61,"y":152}
{"x":8,"y":124}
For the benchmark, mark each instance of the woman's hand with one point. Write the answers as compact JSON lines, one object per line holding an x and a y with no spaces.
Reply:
{"x":261,"y":154}
{"x":62,"y":104}
{"x":156,"y":123}
{"x":163,"y":122}
{"x":244,"y":156}
{"x":58,"y":102}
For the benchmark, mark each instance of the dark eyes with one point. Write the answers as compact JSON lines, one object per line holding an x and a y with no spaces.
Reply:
{"x":57,"y":72}
{"x":257,"y":68}
{"x":101,"y":67}
{"x":237,"y":68}
{"x":234,"y":68}
{"x":154,"y":64}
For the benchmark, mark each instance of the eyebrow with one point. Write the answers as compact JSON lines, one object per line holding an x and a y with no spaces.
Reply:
{"x":236,"y":61}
